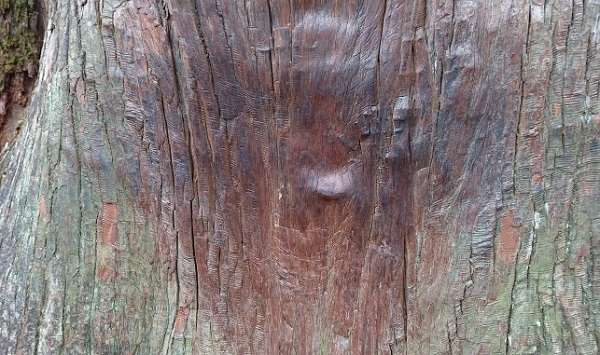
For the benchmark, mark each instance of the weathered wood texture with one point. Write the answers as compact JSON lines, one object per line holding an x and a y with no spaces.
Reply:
{"x":303,"y":177}
{"x":19,"y":52}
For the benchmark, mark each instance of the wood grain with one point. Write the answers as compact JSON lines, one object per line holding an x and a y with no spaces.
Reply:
{"x":303,"y":177}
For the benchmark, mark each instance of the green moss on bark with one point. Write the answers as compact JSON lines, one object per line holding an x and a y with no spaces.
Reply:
{"x":19,"y":46}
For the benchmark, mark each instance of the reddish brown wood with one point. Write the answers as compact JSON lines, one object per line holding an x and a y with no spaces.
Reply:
{"x":306,"y":177}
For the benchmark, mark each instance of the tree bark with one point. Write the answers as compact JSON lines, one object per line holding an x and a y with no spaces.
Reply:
{"x":303,"y":177}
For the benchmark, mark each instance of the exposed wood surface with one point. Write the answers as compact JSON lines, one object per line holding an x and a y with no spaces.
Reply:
{"x":307,"y":177}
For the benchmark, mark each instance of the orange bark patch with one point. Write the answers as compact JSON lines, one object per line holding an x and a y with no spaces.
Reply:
{"x":181,"y":320}
{"x":556,"y":109}
{"x":508,"y":243}
{"x":537,"y":179}
{"x":106,"y":273}
{"x":583,"y":252}
{"x":107,"y":229}
{"x":42,"y":207}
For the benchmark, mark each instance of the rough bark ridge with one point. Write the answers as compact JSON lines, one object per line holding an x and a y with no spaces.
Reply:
{"x":307,"y":177}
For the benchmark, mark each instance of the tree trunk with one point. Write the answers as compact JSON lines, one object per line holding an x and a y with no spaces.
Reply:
{"x":306,"y":177}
